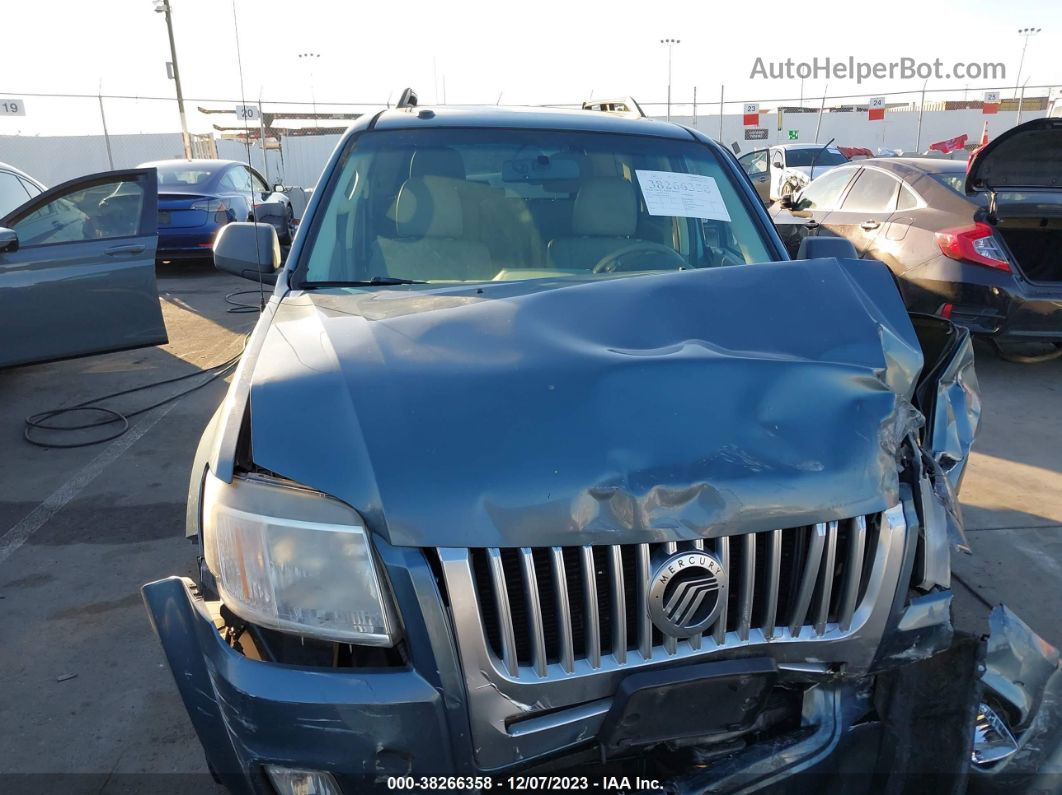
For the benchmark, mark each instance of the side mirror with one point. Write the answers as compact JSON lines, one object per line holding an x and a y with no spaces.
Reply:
{"x":8,"y":240}
{"x":250,"y":250}
{"x":777,"y":164}
{"x":278,"y":188}
{"x":818,"y":247}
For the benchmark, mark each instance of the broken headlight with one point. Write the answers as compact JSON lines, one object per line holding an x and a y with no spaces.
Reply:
{"x":294,"y":560}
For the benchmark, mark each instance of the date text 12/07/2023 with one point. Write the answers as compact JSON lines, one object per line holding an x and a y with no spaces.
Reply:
{"x":606,"y":784}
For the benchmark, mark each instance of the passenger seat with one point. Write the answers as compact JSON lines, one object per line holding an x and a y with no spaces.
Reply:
{"x":428,"y":243}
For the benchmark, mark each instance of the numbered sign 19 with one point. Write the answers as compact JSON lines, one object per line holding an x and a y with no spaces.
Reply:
{"x":12,"y":107}
{"x":248,"y":113}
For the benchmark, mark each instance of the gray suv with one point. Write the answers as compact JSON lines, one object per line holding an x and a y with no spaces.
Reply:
{"x":543,"y":460}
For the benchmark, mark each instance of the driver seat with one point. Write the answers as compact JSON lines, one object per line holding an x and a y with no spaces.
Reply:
{"x":604,"y":220}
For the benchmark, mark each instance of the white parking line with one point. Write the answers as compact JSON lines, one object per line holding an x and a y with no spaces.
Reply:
{"x":20,"y":532}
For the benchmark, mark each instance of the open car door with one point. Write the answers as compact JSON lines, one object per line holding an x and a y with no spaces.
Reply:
{"x":77,"y":270}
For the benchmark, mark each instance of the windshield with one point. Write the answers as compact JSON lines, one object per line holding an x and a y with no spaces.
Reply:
{"x":458,"y":205}
{"x":182,"y":175}
{"x":805,"y":157}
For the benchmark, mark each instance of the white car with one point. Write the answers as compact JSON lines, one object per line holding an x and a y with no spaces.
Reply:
{"x":16,"y":187}
{"x":786,"y":168}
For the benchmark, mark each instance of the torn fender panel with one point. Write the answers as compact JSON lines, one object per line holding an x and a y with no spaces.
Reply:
{"x":949,"y":396}
{"x":575,"y":411}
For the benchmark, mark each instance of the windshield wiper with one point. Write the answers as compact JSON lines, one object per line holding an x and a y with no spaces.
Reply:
{"x":375,"y":281}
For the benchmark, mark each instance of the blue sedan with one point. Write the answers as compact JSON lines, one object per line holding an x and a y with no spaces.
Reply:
{"x":198,"y":197}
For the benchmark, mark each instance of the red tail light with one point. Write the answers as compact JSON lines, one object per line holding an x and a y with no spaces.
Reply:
{"x":974,"y":243}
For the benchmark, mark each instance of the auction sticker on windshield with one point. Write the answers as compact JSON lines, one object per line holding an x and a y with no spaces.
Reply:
{"x":683,"y":195}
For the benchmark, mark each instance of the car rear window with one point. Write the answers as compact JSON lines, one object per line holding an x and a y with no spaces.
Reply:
{"x":956,"y":182}
{"x":184,"y":176}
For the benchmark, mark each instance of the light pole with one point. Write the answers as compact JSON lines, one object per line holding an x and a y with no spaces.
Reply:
{"x":670,"y":43}
{"x":1025,"y":33}
{"x":163,"y":7}
{"x":310,"y":58}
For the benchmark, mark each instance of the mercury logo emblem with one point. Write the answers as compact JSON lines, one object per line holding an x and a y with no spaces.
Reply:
{"x":684,"y":594}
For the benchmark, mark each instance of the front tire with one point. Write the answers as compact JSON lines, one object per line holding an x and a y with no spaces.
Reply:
{"x":289,"y":227}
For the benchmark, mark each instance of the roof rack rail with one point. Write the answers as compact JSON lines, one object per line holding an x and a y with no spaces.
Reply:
{"x":408,"y":99}
{"x":625,"y":106}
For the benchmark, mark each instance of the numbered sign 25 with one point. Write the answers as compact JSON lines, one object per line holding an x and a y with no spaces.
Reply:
{"x":12,"y":107}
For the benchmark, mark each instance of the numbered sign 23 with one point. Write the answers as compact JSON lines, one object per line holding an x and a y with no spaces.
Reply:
{"x":12,"y":107}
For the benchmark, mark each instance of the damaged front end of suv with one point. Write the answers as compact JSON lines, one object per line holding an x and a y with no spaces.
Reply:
{"x":693,"y":527}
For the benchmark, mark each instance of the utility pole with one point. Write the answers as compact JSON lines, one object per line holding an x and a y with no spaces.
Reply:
{"x":670,"y":43}
{"x":311,"y":58}
{"x":822,"y":109}
{"x":921,"y":111}
{"x":163,"y":7}
{"x":722,"y":91}
{"x":1021,"y":99}
{"x":1025,"y":33}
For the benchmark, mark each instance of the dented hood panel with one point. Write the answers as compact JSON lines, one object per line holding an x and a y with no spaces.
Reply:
{"x":553,"y":412}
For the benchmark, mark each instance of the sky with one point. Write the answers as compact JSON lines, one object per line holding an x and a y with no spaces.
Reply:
{"x":535,"y":53}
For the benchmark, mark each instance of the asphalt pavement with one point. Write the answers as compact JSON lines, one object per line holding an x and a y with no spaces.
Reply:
{"x":86,"y":701}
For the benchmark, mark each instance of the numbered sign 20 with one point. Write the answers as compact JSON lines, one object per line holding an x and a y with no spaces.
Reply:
{"x":12,"y":107}
{"x":248,"y":113}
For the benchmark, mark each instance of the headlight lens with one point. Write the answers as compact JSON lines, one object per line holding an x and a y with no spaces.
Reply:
{"x":315,"y":578}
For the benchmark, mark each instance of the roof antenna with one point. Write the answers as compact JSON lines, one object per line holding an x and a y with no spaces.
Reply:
{"x":247,"y":143}
{"x":408,"y":99}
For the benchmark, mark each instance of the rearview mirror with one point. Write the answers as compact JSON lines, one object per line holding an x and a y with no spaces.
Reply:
{"x":788,"y":202}
{"x":8,"y":239}
{"x":250,"y":250}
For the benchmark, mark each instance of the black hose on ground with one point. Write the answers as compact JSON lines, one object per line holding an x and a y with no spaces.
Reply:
{"x":40,"y":421}
{"x":240,"y":307}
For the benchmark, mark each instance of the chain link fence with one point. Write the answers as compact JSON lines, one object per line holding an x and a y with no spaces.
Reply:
{"x":56,"y":137}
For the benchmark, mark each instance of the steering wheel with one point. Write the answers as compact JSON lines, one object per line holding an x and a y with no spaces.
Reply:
{"x":610,"y":263}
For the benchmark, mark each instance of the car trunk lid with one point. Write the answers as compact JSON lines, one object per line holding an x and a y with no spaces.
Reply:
{"x":1021,"y":173}
{"x":175,"y":210}
{"x":1027,"y":158}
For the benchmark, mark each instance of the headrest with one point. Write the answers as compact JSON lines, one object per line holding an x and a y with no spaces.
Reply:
{"x":438,"y":162}
{"x":428,"y":207}
{"x":605,"y":206}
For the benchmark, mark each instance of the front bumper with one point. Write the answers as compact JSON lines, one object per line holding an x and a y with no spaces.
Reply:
{"x":366,"y":726}
{"x":362,"y":725}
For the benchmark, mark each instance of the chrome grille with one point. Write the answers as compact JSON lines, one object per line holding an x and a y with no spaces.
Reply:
{"x":574,"y":606}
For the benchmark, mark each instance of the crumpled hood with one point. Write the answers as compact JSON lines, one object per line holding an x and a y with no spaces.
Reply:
{"x":553,"y":412}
